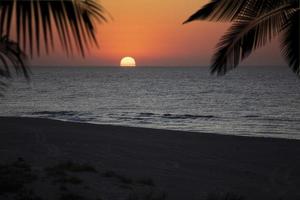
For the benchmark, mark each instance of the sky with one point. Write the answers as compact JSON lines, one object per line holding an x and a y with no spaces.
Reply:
{"x":151,"y":31}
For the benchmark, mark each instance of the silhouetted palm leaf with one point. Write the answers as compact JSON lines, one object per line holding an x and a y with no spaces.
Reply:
{"x":220,"y":10}
{"x":255,"y":22}
{"x":290,"y":42}
{"x":11,"y":60}
{"x":37,"y":20}
{"x":34,"y":22}
{"x":246,"y":35}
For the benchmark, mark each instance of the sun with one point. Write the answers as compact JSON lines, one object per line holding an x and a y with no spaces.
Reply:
{"x":128,"y":62}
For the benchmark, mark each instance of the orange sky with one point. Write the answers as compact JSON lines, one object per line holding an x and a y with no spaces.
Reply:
{"x":151,"y":31}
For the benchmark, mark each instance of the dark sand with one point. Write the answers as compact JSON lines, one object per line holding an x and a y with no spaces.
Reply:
{"x":185,"y":165}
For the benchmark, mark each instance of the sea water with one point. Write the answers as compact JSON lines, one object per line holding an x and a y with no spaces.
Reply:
{"x":250,"y":101}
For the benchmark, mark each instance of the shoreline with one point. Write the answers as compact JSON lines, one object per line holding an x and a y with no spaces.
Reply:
{"x":186,"y":165}
{"x":161,"y":129}
{"x":149,"y":128}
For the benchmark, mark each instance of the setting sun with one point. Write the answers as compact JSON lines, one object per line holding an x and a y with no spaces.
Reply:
{"x":128,"y":62}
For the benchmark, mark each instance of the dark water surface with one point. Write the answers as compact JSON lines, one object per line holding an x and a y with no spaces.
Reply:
{"x":252,"y":101}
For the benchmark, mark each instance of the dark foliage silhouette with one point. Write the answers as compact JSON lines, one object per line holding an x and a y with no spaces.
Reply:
{"x":34,"y":24}
{"x":255,"y":23}
{"x":37,"y":20}
{"x":12,"y":58}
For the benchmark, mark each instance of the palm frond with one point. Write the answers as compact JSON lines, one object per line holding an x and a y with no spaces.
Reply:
{"x":12,"y":60}
{"x":220,"y":10}
{"x":231,"y":10}
{"x":247,"y":34}
{"x":290,"y":42}
{"x":37,"y":20}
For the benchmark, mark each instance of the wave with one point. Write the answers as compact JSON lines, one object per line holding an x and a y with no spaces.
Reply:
{"x":187,"y":116}
{"x":147,"y":117}
{"x":280,"y":119}
{"x":147,"y":114}
{"x":144,"y":116}
{"x":262,"y":118}
{"x":56,"y":113}
{"x":175,"y":116}
{"x":64,"y":115}
{"x":252,"y":116}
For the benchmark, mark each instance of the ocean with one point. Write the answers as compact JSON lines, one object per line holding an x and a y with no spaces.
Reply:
{"x":250,"y":101}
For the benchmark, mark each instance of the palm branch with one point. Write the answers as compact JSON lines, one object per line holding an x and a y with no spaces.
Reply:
{"x":12,"y":59}
{"x":255,"y":23}
{"x":35,"y":21}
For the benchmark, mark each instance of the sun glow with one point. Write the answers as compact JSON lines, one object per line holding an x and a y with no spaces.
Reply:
{"x":128,"y":62}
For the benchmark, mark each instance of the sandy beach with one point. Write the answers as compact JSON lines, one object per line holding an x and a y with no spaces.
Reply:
{"x":184,"y":165}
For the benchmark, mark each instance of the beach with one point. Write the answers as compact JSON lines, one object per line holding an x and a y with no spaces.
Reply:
{"x":184,"y":165}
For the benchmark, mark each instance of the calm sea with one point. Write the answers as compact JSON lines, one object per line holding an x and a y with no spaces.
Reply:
{"x":251,"y":101}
